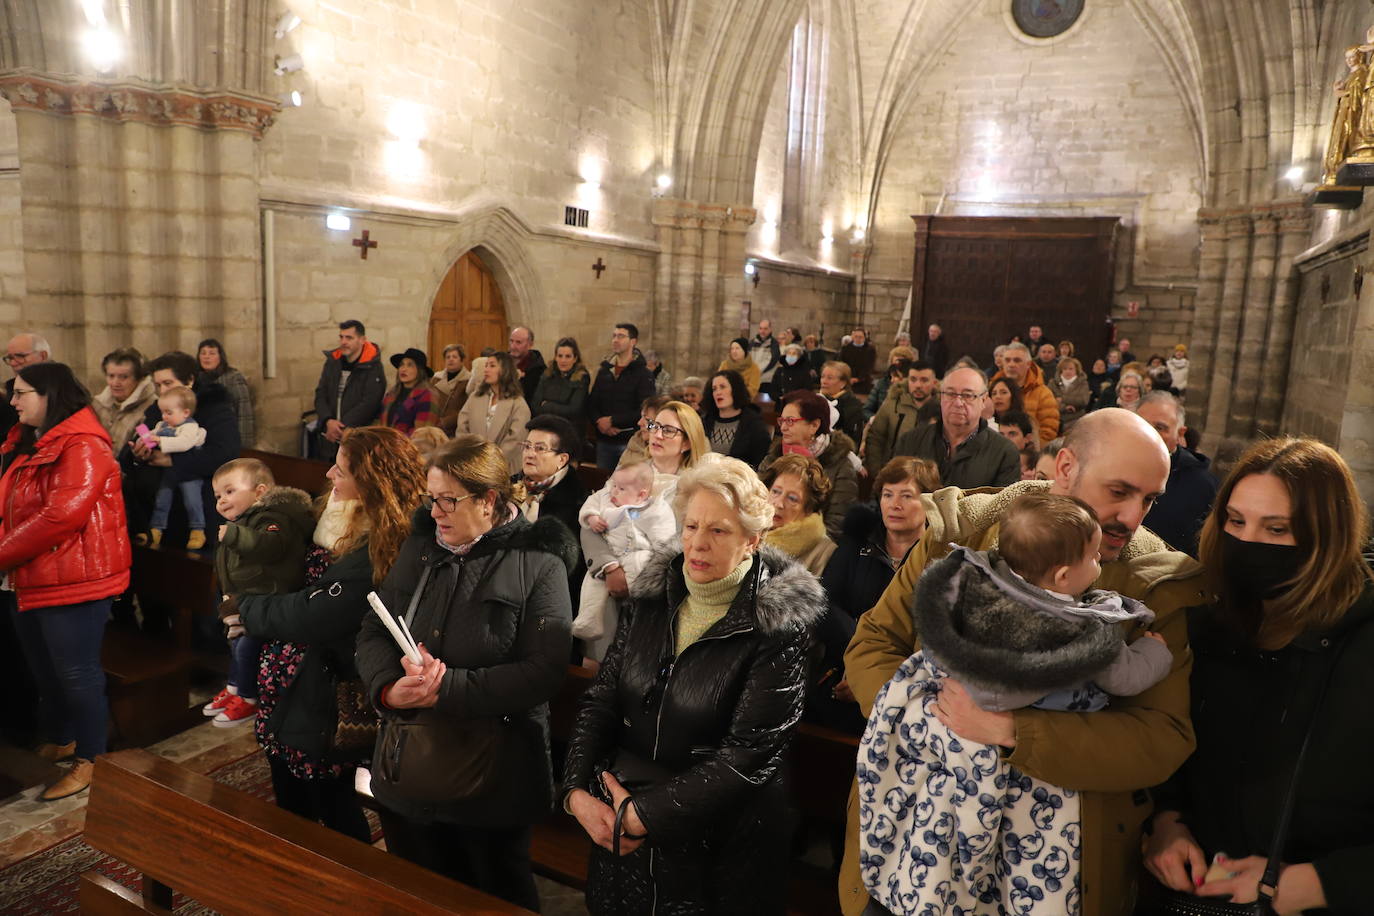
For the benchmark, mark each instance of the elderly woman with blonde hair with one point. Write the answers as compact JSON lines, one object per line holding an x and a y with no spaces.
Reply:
{"x":675,"y":764}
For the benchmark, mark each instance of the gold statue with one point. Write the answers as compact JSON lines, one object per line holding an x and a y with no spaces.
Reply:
{"x":1353,"y":126}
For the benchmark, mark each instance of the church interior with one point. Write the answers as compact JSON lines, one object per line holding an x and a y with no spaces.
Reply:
{"x":259,"y":171}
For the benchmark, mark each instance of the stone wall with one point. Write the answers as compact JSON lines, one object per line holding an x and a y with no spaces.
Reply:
{"x":11,"y":226}
{"x":813,"y":301}
{"x":1330,"y":392}
{"x":545,"y":278}
{"x":1087,"y":126}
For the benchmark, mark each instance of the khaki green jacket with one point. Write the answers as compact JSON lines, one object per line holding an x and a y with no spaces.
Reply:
{"x":1110,"y":756}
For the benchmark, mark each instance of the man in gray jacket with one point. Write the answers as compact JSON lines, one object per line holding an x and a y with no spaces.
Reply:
{"x":352,"y":384}
{"x":968,"y":453}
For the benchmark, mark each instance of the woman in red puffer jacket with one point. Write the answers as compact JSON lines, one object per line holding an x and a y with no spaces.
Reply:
{"x":64,"y":552}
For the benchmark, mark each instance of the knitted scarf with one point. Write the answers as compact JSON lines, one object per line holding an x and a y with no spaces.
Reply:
{"x":797,"y":538}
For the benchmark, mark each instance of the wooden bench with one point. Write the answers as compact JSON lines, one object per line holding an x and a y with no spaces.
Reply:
{"x":149,"y":675}
{"x":592,"y":477}
{"x":238,"y":854}
{"x":289,"y":471}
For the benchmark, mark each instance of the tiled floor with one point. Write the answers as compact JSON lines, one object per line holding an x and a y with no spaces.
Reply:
{"x":28,"y":825}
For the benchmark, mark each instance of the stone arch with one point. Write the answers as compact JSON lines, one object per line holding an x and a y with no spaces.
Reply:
{"x":501,"y":240}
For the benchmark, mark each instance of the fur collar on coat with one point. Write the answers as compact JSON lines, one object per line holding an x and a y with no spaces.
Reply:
{"x":787,"y":595}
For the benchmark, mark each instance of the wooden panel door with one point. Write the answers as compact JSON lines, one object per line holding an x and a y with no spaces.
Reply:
{"x":467,"y":310}
{"x":984,"y":279}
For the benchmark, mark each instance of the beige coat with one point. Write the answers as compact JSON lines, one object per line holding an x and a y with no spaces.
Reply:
{"x":120,"y":417}
{"x":1109,"y":756}
{"x":502,"y":423}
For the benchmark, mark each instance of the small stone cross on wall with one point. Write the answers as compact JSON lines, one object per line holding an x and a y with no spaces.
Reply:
{"x":598,"y":267}
{"x":364,"y":243}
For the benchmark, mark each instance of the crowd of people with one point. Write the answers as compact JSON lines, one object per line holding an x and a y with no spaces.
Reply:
{"x":1020,"y":586}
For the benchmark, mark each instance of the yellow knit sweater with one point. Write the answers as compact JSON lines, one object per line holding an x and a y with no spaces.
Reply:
{"x":707,"y":602}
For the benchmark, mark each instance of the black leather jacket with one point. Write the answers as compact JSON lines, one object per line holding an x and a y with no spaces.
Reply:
{"x":717,"y":718}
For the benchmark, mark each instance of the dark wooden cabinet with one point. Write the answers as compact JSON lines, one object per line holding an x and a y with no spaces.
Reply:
{"x":985,"y":278}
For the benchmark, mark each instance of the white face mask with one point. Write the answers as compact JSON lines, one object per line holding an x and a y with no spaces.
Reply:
{"x":791,"y":359}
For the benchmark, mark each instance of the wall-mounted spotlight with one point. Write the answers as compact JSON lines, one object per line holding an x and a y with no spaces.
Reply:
{"x":751,"y":270}
{"x":286,"y":23}
{"x":292,"y":99}
{"x":289,"y":64}
{"x":338,"y":222}
{"x":102,"y":48}
{"x":664,"y":182}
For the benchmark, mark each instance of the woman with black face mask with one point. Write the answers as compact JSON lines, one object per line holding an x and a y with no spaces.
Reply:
{"x":1283,"y":654}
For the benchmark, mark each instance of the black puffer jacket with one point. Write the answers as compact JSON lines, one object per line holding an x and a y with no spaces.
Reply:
{"x":500,"y":619}
{"x":562,"y":395}
{"x":726,"y":710}
{"x":324,"y":617}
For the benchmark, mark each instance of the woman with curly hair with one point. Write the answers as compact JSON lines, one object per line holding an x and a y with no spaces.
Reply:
{"x":497,"y":410}
{"x":462,"y":769}
{"x":378,"y":481}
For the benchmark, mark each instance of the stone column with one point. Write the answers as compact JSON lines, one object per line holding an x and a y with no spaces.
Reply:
{"x":140,"y":216}
{"x":1357,"y":419}
{"x":1223,"y":368}
{"x":699,"y":280}
{"x":1211,"y":270}
{"x":1295,"y":228}
{"x":1254,"y":328}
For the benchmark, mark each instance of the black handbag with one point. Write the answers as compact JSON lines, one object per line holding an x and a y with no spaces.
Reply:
{"x":427,"y":756}
{"x":1167,"y":902}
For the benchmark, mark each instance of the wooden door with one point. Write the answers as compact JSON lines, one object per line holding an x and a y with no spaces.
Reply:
{"x":467,"y":310}
{"x":984,"y":279}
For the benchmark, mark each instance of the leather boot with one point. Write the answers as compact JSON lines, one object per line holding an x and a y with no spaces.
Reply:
{"x":77,"y":779}
{"x":55,"y":752}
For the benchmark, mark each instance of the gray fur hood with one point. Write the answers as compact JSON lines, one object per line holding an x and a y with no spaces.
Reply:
{"x":991,"y":629}
{"x":787,"y":595}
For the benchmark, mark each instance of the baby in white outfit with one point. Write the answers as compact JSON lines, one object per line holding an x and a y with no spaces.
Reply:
{"x":633,"y":521}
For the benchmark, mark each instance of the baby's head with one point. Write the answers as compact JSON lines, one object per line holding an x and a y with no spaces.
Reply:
{"x":177,"y":405}
{"x":631,"y":484}
{"x":239,"y":484}
{"x":1052,"y":542}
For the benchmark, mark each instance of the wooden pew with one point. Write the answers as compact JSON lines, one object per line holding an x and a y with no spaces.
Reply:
{"x":238,"y":854}
{"x":289,"y":471}
{"x":149,"y":676}
{"x":592,"y":477}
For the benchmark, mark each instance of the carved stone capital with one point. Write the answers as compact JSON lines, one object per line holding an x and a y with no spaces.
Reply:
{"x":138,"y":102}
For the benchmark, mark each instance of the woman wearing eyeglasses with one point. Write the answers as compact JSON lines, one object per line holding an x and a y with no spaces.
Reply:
{"x":676,"y":442}
{"x":805,"y":428}
{"x":462,"y":768}
{"x":674,"y":768}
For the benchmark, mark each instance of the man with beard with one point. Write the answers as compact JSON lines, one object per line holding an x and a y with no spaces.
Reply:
{"x":1115,"y":462}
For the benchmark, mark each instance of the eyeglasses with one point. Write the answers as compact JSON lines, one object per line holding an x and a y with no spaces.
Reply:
{"x":968,"y":397}
{"x":539,"y":447}
{"x":20,"y":392}
{"x":669,"y":432}
{"x":654,"y":694}
{"x":445,"y":503}
{"x":789,"y":422}
{"x":13,"y":358}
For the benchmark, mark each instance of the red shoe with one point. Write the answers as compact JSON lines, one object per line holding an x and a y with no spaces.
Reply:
{"x":220,"y":701}
{"x":236,"y":712}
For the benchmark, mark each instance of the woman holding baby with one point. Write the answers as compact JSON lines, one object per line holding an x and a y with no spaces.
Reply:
{"x":1282,"y":654}
{"x":462,"y":768}
{"x":309,"y":635}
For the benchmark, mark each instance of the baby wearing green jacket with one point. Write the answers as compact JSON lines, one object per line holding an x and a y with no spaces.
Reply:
{"x":262,"y":549}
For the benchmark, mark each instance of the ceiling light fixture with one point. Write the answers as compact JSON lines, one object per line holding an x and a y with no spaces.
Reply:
{"x":289,"y":64}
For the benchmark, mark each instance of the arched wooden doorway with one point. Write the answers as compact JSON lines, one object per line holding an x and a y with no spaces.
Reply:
{"x":468,"y":310}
